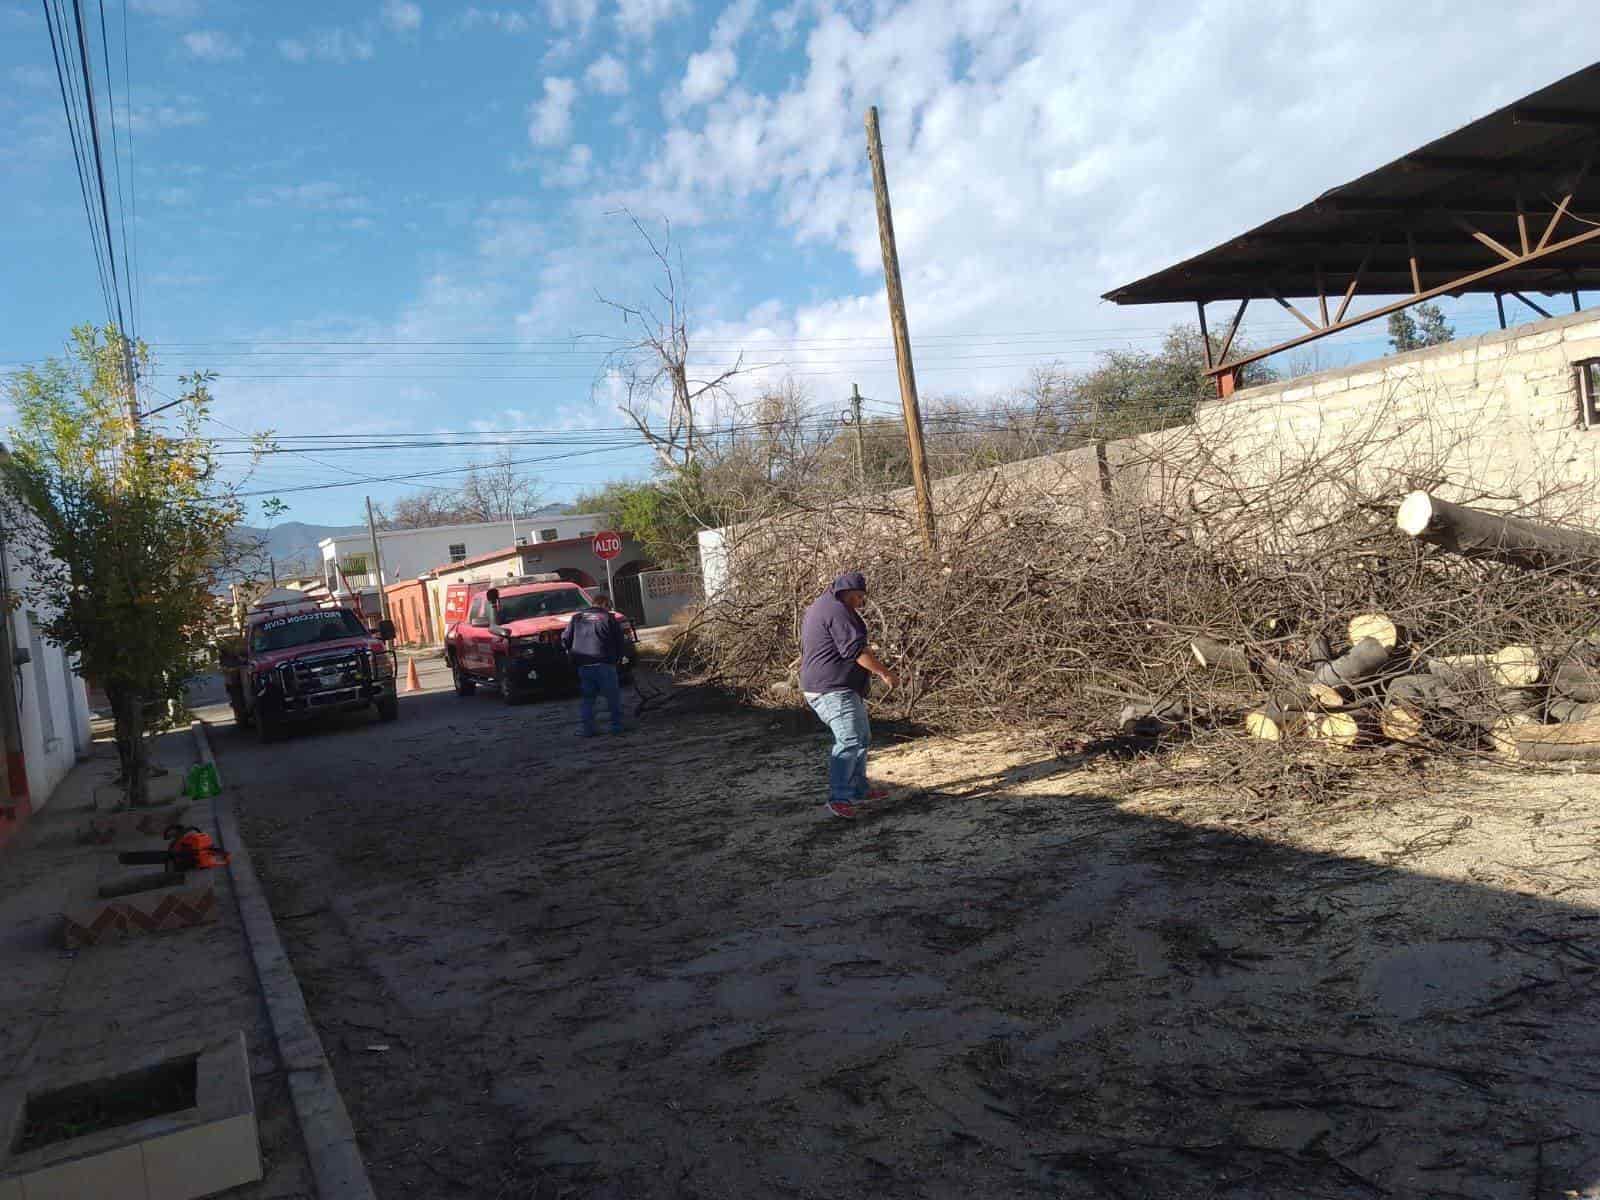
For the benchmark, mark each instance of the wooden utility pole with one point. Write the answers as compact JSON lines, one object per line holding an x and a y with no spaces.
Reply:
{"x":861,"y":442}
{"x":902,"y":335}
{"x":377,"y":562}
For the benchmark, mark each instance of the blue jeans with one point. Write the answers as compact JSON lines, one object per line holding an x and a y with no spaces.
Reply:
{"x":599,"y":679}
{"x":845,"y":713}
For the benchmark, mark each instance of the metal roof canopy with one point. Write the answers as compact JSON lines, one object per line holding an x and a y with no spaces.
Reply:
{"x":1503,"y":206}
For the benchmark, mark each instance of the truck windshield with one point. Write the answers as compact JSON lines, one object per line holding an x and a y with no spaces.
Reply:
{"x":541,"y":604}
{"x":303,"y":629}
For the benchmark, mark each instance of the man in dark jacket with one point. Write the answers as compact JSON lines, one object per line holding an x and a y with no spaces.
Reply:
{"x":835,"y":668}
{"x":596,"y":642}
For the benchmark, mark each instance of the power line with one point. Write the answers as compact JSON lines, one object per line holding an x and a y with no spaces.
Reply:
{"x":69,"y":91}
{"x":116,"y":162}
{"x":318,"y":487}
{"x":99,"y":159}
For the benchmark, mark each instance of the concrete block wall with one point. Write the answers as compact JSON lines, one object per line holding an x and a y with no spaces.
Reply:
{"x":1493,"y":419}
{"x":1495,"y":414}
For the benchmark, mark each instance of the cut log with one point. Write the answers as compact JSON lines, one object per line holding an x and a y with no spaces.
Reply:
{"x":1504,"y":736}
{"x":1378,"y":627}
{"x":1318,"y":650}
{"x":1450,"y":707}
{"x":1509,"y":667}
{"x":1362,"y":661}
{"x":1146,"y":720}
{"x":1412,"y":701}
{"x":1326,"y":696}
{"x":1273,"y":723}
{"x":1338,"y":728}
{"x":1558,"y":743}
{"x":1577,"y":678}
{"x":1572,"y":711}
{"x":1474,"y":533}
{"x":1219,"y":656}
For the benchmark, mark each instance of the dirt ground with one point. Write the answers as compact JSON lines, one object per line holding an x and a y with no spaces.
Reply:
{"x":649,"y":966}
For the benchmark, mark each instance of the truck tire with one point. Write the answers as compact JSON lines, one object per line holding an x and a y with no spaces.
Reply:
{"x":465,"y":684}
{"x":389,"y":708}
{"x":268,"y":729}
{"x":508,"y":691}
{"x":241,"y":719}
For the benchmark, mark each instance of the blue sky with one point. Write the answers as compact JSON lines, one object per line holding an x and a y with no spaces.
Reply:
{"x":396,"y":217}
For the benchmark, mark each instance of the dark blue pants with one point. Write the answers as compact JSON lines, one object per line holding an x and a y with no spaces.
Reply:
{"x":599,"y":679}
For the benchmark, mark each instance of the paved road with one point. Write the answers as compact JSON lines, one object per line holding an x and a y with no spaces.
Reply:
{"x":647,"y":967}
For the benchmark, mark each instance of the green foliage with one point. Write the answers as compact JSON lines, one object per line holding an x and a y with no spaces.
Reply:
{"x":123,"y":530}
{"x":1134,"y":391}
{"x":663,"y":514}
{"x":1427,"y":327}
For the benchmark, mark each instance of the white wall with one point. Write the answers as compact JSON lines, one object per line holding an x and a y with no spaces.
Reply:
{"x":51,"y":697}
{"x":665,"y":594}
{"x":408,"y":553}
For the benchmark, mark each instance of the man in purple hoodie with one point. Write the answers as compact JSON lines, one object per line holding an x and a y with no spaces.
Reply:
{"x":835,"y":668}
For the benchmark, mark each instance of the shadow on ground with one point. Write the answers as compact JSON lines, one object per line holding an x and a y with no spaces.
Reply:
{"x":646,"y":966}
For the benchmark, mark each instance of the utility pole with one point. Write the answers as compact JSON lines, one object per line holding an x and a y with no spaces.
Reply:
{"x":861,"y":445}
{"x":902,"y":335}
{"x":377,"y":562}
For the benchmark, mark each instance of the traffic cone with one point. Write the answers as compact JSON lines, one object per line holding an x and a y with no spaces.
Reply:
{"x":413,"y":684}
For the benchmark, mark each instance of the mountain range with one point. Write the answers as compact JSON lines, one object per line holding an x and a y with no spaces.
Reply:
{"x":293,"y":544}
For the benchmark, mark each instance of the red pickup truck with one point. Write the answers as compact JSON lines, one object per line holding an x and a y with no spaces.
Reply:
{"x":298,"y":658}
{"x":511,"y":638}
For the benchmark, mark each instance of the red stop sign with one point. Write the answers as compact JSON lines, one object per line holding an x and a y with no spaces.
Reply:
{"x":607,"y":545}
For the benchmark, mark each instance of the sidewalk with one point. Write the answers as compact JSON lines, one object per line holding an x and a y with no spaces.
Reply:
{"x":67,"y":1010}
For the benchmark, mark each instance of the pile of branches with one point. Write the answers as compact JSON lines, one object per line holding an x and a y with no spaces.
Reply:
{"x":1178,"y":589}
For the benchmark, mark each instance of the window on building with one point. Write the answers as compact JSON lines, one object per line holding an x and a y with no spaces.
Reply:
{"x":355,"y":564}
{"x":458,"y":551}
{"x":1588,"y":373}
{"x":549,"y":535}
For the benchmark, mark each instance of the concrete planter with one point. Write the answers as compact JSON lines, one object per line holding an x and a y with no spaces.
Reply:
{"x":194,"y":1152}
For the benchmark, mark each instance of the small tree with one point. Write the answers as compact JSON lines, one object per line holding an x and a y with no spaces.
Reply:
{"x":124,"y":528}
{"x":1427,"y":328}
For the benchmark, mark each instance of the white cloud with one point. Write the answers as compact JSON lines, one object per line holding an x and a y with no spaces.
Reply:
{"x":572,"y":14}
{"x":708,"y":75}
{"x":639,"y":18}
{"x":607,"y":75}
{"x":212,"y":45}
{"x":328,"y":45}
{"x":550,"y":118}
{"x":164,"y":112}
{"x":174,"y":196}
{"x":574,"y":171}
{"x":506,"y":20}
{"x":733,"y":23}
{"x":1039,"y":156}
{"x":402,"y":16}
{"x":323,"y":195}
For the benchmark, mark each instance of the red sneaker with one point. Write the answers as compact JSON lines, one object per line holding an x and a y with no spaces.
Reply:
{"x":839,"y":809}
{"x":877,"y":793}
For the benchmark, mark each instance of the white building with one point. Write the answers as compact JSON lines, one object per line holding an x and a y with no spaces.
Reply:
{"x":409,"y":553}
{"x":52,"y":704}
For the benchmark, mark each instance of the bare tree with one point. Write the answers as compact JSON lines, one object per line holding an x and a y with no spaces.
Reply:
{"x":654,"y":369}
{"x":497,"y":491}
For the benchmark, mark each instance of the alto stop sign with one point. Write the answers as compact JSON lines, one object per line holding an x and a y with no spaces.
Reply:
{"x":607,"y":545}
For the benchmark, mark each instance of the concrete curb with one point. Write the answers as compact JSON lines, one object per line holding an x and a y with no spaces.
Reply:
{"x":330,"y":1139}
